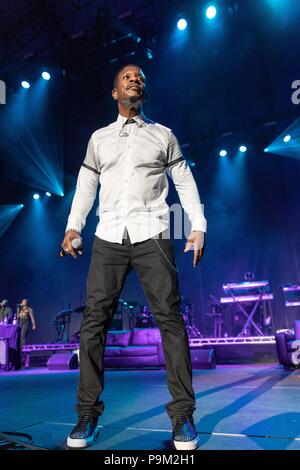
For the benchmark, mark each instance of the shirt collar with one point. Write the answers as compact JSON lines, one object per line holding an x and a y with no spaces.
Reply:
{"x":139,"y":118}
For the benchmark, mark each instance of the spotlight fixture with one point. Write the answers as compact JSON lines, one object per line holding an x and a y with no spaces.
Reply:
{"x":36,"y":196}
{"x":149,"y":53}
{"x":211,"y":12}
{"x":223,"y":153}
{"x":46,"y":75}
{"x":243,"y":148}
{"x":48,"y":194}
{"x":286,"y":138}
{"x":25,"y":84}
{"x":181,"y":24}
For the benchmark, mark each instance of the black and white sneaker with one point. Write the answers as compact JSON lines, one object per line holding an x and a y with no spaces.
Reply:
{"x":84,"y":433}
{"x":185,"y":436}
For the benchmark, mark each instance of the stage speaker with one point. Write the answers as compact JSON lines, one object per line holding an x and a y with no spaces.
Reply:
{"x":203,"y":358}
{"x":63,"y":361}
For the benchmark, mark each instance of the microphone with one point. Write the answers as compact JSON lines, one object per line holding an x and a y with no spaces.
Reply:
{"x":76,"y":244}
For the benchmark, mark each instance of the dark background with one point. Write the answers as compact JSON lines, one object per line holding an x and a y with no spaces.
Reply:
{"x":231,"y":75}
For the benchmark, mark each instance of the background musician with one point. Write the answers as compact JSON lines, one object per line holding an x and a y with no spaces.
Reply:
{"x":25,"y":316}
{"x":5,"y":311}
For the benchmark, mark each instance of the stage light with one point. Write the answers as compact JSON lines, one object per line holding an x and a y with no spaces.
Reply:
{"x":286,"y":138}
{"x":223,"y":153}
{"x":211,"y":12}
{"x":62,"y":194}
{"x":181,"y":24}
{"x":25,"y":84}
{"x":48,"y":194}
{"x":46,"y":75}
{"x":36,"y":196}
{"x":243,"y":148}
{"x":149,"y":53}
{"x":266,"y":150}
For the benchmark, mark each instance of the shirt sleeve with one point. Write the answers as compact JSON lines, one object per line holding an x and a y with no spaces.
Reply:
{"x":179,"y":171}
{"x":86,"y":189}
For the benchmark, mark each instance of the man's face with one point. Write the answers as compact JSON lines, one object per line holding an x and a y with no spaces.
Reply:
{"x":130,"y":86}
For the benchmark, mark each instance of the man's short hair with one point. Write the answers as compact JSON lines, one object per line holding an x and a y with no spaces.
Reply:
{"x":120,"y":70}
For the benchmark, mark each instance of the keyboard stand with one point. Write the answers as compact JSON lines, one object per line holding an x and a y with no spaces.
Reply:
{"x":250,"y":315}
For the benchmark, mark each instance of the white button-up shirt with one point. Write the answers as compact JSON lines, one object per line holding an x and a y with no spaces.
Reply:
{"x":131,"y":162}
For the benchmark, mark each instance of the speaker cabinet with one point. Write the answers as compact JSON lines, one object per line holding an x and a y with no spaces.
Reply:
{"x":63,"y":361}
{"x":203,"y":358}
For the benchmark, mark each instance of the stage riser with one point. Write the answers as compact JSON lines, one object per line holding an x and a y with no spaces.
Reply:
{"x":246,"y":353}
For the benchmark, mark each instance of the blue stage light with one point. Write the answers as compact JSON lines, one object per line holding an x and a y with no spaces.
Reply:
{"x":223,"y":153}
{"x":36,"y":196}
{"x":286,"y":138}
{"x":48,"y":194}
{"x":266,"y":150}
{"x":7,"y":215}
{"x":181,"y":24}
{"x":243,"y":148}
{"x":149,"y":53}
{"x":211,"y":12}
{"x":46,"y":75}
{"x":25,"y":84}
{"x":62,"y":194}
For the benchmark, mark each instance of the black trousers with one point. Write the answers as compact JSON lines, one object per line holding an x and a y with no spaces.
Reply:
{"x":107,"y":273}
{"x":24,"y":325}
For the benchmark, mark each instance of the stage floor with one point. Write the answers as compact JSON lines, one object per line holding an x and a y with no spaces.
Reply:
{"x":238,"y":407}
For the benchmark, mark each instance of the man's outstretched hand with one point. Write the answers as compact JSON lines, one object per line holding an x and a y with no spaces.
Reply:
{"x":196,"y":241}
{"x":67,"y":243}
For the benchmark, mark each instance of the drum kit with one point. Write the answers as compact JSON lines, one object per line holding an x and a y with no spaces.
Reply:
{"x":129,"y":314}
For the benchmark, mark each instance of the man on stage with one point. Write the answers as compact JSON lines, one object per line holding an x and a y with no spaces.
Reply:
{"x":131,"y":159}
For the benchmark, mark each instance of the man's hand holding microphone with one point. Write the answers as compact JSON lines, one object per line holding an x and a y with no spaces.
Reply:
{"x":71,"y":244}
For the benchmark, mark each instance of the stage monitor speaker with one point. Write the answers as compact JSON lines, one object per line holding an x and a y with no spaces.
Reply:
{"x":63,"y":361}
{"x":203,"y":358}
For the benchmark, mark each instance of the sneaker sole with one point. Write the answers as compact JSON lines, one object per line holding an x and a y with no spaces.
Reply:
{"x":186,"y":445}
{"x":82,"y":443}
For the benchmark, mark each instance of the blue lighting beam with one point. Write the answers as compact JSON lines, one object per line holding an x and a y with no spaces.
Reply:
{"x":7,"y":214}
{"x":31,"y":139}
{"x":287,"y":143}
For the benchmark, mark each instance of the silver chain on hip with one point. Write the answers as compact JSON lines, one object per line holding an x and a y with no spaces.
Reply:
{"x":165,"y":256}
